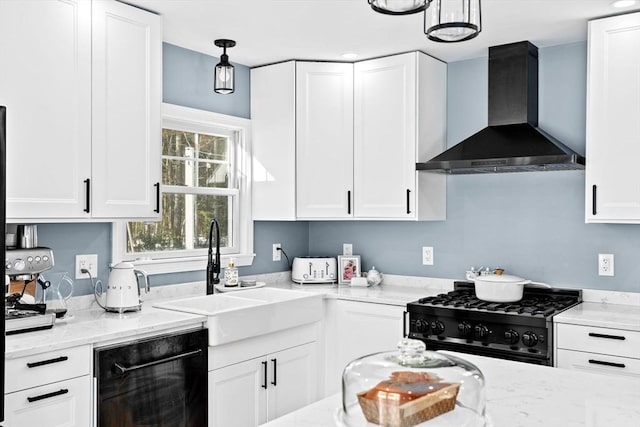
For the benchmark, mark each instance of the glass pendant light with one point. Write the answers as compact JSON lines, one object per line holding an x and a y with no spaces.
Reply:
{"x":451,"y":21}
{"x":224,"y":72}
{"x":399,"y":7}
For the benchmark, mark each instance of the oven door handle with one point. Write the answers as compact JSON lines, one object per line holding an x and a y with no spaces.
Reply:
{"x":120,"y":369}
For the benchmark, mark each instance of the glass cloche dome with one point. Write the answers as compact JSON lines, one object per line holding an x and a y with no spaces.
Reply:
{"x":412,"y":387}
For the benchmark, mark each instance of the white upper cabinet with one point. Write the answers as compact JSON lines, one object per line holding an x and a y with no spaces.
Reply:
{"x":45,"y":83}
{"x":400,"y":114}
{"x":359,"y":129}
{"x":127,"y":97}
{"x":324,"y":140}
{"x":613,"y":128}
{"x":81,"y":82}
{"x":273,"y":125}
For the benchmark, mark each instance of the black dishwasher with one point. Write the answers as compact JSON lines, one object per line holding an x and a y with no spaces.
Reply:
{"x":159,"y":382}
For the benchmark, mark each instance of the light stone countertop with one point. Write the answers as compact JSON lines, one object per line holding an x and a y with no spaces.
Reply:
{"x":626,"y":317}
{"x":523,"y":395}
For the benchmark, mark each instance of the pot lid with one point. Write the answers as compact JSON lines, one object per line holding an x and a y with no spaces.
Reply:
{"x":500,"y":278}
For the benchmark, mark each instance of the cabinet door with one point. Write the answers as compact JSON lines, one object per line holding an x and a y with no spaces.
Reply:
{"x":613,"y":128}
{"x":385,"y":137}
{"x":293,"y":381}
{"x":237,"y":394}
{"x":273,"y":123}
{"x":358,"y":329}
{"x":65,"y":403}
{"x":324,"y":140}
{"x":126,"y":133}
{"x":45,"y":83}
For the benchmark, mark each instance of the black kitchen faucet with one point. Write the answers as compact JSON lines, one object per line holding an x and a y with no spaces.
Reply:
{"x":213,"y":266}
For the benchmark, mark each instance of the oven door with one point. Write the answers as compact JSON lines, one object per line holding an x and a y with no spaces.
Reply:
{"x":158,"y":382}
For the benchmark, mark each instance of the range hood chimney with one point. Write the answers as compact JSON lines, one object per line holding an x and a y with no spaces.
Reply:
{"x":512,"y":142}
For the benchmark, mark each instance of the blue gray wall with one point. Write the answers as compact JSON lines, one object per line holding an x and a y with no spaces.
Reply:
{"x":531,"y":224}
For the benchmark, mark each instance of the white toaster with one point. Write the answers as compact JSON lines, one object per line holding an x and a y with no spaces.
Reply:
{"x":313,"y":269}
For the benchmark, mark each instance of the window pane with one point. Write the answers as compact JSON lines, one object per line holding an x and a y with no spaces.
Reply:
{"x":213,"y":148}
{"x":213,"y":175}
{"x":175,"y":142}
{"x":186,"y":219}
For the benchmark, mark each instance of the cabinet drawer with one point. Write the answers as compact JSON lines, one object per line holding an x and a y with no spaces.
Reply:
{"x":617,"y":342}
{"x":65,"y":403}
{"x":593,"y":362}
{"x":45,"y":368}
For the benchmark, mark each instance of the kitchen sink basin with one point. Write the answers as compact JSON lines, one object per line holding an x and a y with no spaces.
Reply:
{"x":251,"y":312}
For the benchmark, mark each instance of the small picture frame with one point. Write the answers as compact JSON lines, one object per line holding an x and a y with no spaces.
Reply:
{"x":348,"y":267}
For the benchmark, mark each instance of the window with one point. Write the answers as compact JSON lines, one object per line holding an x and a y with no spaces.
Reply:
{"x":205,"y":175}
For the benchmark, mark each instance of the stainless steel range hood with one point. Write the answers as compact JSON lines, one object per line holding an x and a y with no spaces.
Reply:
{"x":512,"y":142}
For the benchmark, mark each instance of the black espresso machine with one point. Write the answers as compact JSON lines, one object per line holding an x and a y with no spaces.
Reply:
{"x":23,"y":266}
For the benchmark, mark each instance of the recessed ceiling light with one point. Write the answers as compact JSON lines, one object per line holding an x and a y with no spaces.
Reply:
{"x":350,"y":55}
{"x":623,"y":3}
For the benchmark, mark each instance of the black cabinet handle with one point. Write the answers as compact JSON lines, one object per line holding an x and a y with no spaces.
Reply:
{"x":48,"y":395}
{"x":349,"y":202}
{"x":594,"y":192}
{"x":600,"y":362}
{"x":611,"y":337}
{"x":275,"y":372}
{"x":408,"y":201}
{"x":47,"y":362}
{"x":264,"y":369}
{"x":87,"y":202}
{"x":157,"y":209}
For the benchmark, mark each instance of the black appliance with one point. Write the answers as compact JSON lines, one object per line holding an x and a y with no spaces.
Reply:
{"x":520,"y":331}
{"x":3,"y":196}
{"x":160,"y":381}
{"x":512,"y":142}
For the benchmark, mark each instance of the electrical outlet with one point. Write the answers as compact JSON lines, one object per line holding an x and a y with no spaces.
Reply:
{"x":89,"y":262}
{"x":427,"y":255}
{"x":347,"y":249}
{"x":605,"y":264}
{"x":277,"y":255}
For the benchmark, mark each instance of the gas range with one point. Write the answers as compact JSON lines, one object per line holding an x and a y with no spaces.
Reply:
{"x":521,"y":330}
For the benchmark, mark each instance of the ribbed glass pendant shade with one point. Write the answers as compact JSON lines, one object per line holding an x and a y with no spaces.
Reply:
{"x":399,"y":7}
{"x":451,"y":21}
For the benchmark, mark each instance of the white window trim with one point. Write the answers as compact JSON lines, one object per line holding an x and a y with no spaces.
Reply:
{"x":196,"y":119}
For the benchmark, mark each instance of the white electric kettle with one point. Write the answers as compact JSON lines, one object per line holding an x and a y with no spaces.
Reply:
{"x":123,"y":289}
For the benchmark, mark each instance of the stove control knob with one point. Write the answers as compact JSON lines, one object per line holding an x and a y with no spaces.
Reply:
{"x":422,"y":325}
{"x":481,"y":331}
{"x":529,"y":339}
{"x":437,"y":327}
{"x":511,"y":336}
{"x":465,"y":329}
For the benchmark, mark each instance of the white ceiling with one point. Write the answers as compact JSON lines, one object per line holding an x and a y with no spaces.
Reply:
{"x":268,"y":31}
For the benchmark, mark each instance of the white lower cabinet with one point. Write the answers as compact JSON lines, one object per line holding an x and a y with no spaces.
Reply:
{"x":49,"y":390}
{"x":600,"y":350}
{"x":355,"y":329}
{"x":254,"y":391}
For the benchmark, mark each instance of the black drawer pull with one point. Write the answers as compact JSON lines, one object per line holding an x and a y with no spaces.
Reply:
{"x":275,"y":372}
{"x":600,"y":362}
{"x":87,"y":203}
{"x":594,"y":192}
{"x":157,"y":209}
{"x":48,"y":395}
{"x":408,"y":201}
{"x":264,"y":369}
{"x":349,"y":202}
{"x":120,"y":369}
{"x":611,"y":337}
{"x":47,"y":362}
